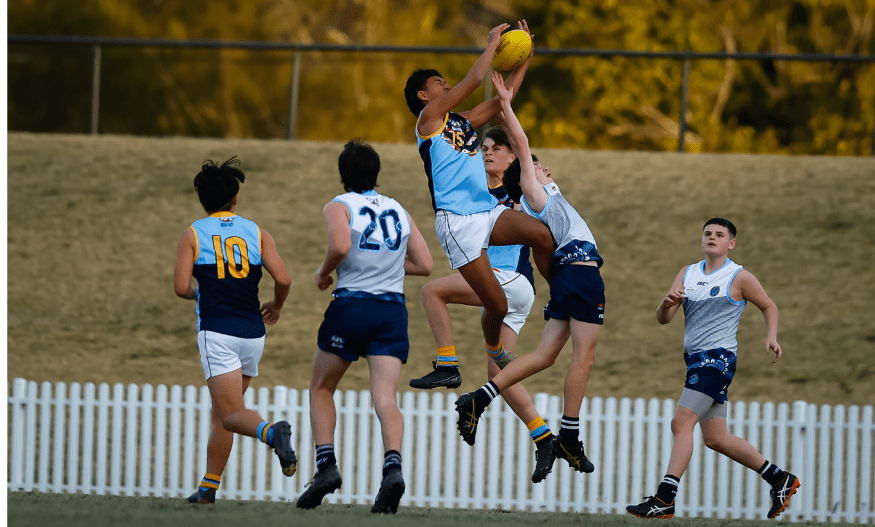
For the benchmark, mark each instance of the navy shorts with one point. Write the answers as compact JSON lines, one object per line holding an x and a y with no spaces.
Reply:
{"x":578,"y":292}
{"x":358,"y":327}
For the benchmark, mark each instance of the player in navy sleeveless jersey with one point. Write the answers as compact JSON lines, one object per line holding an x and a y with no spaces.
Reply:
{"x":713,"y":293}
{"x":577,"y":296}
{"x":225,"y":253}
{"x":372,"y":244}
{"x":468,"y":218}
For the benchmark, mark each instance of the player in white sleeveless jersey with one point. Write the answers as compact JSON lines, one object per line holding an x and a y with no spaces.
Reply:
{"x":226,"y":253}
{"x":372,"y":244}
{"x":577,"y":296}
{"x":714,"y":293}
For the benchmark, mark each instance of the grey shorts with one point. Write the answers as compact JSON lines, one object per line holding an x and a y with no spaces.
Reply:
{"x":702,"y":405}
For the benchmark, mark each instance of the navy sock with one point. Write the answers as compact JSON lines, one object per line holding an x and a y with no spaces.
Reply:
{"x":392,"y":461}
{"x":486,"y":394}
{"x":325,"y":456}
{"x":771,"y":473}
{"x":569,"y":430}
{"x":668,"y":489}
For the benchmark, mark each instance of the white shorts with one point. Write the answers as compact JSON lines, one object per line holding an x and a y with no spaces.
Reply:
{"x":520,"y":298}
{"x":222,"y":353}
{"x":464,"y":237}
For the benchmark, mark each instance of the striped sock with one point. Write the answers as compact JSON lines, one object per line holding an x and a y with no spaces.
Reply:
{"x":447,"y":357}
{"x":210,"y":482}
{"x":539,"y":430}
{"x":392,"y":461}
{"x":494,"y":351}
{"x":486,"y":394}
{"x":569,"y":430}
{"x":265,"y":432}
{"x":325,"y":456}
{"x":668,"y":489}
{"x":771,"y":473}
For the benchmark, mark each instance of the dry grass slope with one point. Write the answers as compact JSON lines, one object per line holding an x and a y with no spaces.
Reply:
{"x":93,"y":224}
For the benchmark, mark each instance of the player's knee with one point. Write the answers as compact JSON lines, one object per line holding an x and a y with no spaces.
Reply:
{"x":715,"y":442}
{"x":680,"y":425}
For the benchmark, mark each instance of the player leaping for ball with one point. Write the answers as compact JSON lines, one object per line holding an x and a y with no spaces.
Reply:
{"x":577,"y":295}
{"x":468,"y":218}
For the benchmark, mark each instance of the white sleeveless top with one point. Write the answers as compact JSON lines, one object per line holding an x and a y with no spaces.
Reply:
{"x":711,"y":314}
{"x":380,"y":230}
{"x":574,"y":239}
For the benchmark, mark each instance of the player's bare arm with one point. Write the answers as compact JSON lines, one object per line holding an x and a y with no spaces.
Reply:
{"x":672,"y":300}
{"x":536,"y":196}
{"x":432,"y":117}
{"x":182,"y":271}
{"x":339,"y":242}
{"x":750,"y":289}
{"x":418,"y":261}
{"x":273,"y":263}
{"x":488,"y":110}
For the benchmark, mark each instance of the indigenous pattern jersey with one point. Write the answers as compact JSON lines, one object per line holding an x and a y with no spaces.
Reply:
{"x":374,"y":266}
{"x":574,"y":240}
{"x":227,"y":267}
{"x":711,"y":314}
{"x":455,"y":171}
{"x":510,"y":257}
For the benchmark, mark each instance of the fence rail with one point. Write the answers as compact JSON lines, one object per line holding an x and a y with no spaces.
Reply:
{"x":151,"y":441}
{"x":98,"y":43}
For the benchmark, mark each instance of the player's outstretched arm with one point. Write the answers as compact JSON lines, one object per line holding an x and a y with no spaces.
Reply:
{"x":672,"y":300}
{"x":488,"y":110}
{"x":418,"y":261}
{"x":432,"y":116}
{"x":184,"y":267}
{"x":536,"y":196}
{"x":752,"y":291}
{"x":271,"y":260}
{"x":339,"y":242}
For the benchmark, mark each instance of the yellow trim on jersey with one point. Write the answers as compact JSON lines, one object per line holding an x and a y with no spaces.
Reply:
{"x":222,"y":214}
{"x":441,"y":129}
{"x":197,"y":246}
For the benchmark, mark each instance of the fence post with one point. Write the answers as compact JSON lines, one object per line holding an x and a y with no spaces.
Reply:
{"x":682,"y":118}
{"x":95,"y":89}
{"x":294,"y":91}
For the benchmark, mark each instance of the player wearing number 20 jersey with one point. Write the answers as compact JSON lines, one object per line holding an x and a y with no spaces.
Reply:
{"x":227,"y":267}
{"x":375,"y":263}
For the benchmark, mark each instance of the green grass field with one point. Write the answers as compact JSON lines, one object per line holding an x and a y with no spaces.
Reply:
{"x":93,"y":223}
{"x":35,"y":509}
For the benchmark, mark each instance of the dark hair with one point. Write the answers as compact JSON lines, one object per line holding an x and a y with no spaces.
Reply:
{"x":511,"y":179}
{"x":415,"y":83}
{"x":359,"y":165}
{"x":216,"y":185}
{"x":723,"y":223}
{"x":497,"y":134}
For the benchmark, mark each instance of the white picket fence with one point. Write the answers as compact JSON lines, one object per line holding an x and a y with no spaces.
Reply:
{"x":151,"y":441}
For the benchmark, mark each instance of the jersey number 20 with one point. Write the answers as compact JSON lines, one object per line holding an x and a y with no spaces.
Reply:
{"x":391,"y":244}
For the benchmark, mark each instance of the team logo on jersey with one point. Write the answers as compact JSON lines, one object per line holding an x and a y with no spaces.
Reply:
{"x":226,"y":222}
{"x":462,"y":138}
{"x":693,"y":379}
{"x":715,"y":290}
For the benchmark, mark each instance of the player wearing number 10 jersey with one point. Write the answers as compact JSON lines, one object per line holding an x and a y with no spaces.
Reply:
{"x":372,"y":244}
{"x":225,"y":253}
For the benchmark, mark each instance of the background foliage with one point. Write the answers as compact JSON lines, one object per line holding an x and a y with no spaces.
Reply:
{"x":621,"y":103}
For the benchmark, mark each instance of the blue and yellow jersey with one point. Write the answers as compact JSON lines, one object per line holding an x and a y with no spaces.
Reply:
{"x":509,"y":257}
{"x":227,"y":266}
{"x":455,"y":171}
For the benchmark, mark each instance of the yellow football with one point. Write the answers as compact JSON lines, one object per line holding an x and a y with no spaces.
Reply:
{"x":513,"y":48}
